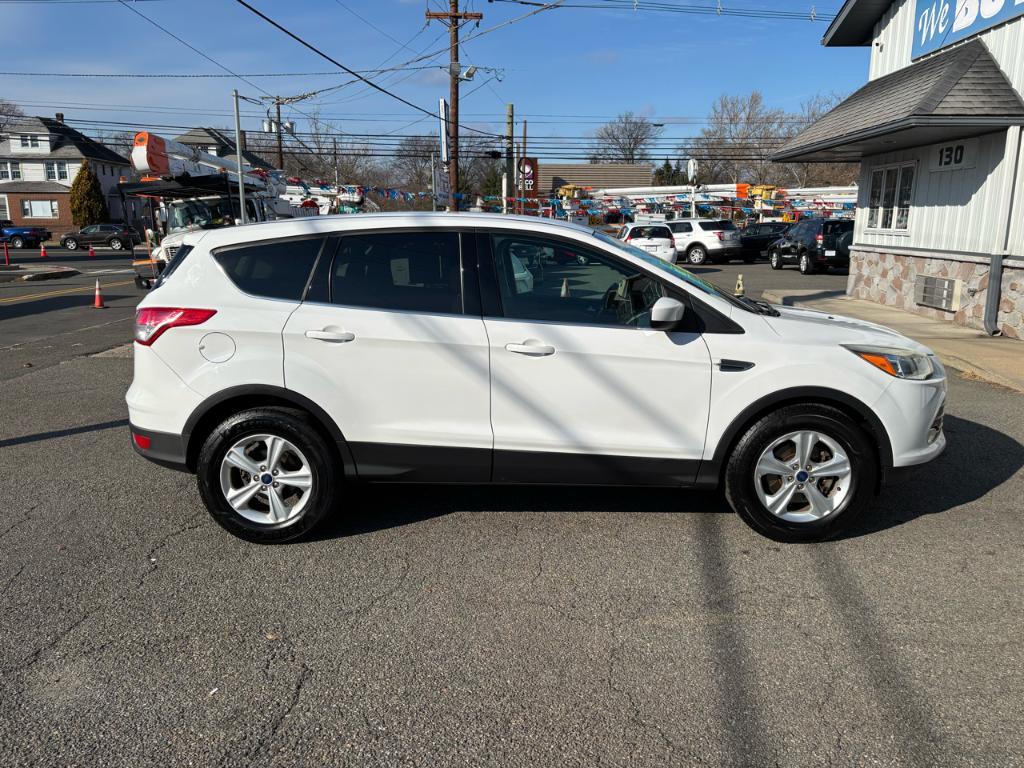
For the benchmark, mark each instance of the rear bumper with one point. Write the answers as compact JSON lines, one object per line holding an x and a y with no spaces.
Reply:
{"x":163,"y":448}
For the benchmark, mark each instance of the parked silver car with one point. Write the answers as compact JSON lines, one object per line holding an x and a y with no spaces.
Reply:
{"x":702,"y":241}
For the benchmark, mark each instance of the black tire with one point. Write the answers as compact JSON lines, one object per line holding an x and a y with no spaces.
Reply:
{"x":741,"y":492}
{"x":115,"y":243}
{"x":806,"y":265}
{"x":697,"y":255}
{"x":297,"y":428}
{"x":17,"y":242}
{"x":775,"y":260}
{"x":71,"y":244}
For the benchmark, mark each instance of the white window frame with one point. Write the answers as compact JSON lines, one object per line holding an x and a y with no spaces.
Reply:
{"x":10,"y":170}
{"x":5,"y":212}
{"x":29,"y":140}
{"x":26,"y":209}
{"x":885,"y":170}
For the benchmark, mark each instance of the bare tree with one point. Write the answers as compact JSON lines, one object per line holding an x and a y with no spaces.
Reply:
{"x":738,"y":140}
{"x":627,"y":139}
{"x":817,"y":174}
{"x":412,"y":161}
{"x":8,"y":113}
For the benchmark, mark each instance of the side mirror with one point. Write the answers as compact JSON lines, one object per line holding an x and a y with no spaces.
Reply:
{"x":667,"y":313}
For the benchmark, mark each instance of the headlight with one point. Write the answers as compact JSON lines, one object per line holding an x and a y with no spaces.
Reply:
{"x":902,"y":363}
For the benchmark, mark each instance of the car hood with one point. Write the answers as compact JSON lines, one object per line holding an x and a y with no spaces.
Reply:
{"x":823,"y":327}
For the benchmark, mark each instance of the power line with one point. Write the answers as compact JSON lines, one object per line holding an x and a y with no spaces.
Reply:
{"x":211,"y":75}
{"x":352,"y":72}
{"x":687,"y":8}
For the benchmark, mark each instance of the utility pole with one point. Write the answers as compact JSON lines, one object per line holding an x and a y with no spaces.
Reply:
{"x":337,"y":181}
{"x":238,"y":159}
{"x":280,"y":137}
{"x":454,"y":16}
{"x":510,"y":168}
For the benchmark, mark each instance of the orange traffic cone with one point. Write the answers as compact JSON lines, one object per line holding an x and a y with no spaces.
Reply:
{"x":98,"y":301}
{"x":92,"y":253}
{"x":42,"y":251}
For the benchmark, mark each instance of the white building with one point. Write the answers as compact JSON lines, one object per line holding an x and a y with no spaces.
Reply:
{"x":937,"y":129}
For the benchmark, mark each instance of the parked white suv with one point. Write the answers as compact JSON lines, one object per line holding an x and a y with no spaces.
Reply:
{"x":656,"y":239}
{"x":283,"y":362}
{"x":702,"y":241}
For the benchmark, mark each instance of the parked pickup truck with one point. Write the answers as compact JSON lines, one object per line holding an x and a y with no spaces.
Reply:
{"x":23,"y":237}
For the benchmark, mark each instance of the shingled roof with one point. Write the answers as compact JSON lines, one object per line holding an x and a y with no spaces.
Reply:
{"x":68,"y":145}
{"x":959,"y":93}
{"x":595,"y":175}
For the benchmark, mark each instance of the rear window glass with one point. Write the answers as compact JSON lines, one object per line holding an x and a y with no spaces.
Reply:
{"x":837,"y":227}
{"x":650,"y":232}
{"x":712,"y":226}
{"x":272,"y":270}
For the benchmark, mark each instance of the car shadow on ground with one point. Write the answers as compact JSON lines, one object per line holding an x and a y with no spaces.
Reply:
{"x":910,"y":493}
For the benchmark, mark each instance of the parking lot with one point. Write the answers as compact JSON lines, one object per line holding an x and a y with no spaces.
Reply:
{"x":478,"y":626}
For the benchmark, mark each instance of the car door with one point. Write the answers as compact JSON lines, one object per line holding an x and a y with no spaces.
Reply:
{"x":392,"y":345}
{"x":581,"y":390}
{"x":88,"y":235}
{"x":682,"y":233}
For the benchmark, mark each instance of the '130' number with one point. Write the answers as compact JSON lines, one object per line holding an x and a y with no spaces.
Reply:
{"x":951,"y":155}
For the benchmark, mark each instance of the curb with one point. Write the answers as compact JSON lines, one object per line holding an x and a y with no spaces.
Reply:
{"x":51,"y":274}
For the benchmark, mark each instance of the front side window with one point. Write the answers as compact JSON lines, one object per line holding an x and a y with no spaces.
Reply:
{"x":276,"y":270}
{"x":892,"y":190}
{"x":713,"y":226}
{"x":408,"y":271}
{"x":558,"y":282}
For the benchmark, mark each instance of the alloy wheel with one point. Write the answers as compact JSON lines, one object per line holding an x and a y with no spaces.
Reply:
{"x":71,"y":244}
{"x":116,"y":244}
{"x":267,"y":480}
{"x":803,"y":477}
{"x":697,"y":255}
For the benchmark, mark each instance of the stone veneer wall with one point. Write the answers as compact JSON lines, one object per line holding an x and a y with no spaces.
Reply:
{"x":879,"y":275}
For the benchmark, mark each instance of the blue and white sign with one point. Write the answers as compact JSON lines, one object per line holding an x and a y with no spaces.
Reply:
{"x":938,"y":23}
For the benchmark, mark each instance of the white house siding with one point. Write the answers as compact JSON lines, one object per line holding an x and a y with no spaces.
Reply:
{"x":894,"y":41}
{"x":960,"y":211}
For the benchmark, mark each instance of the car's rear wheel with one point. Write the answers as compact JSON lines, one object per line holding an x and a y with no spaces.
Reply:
{"x":115,"y":243}
{"x":775,"y":259}
{"x":267,"y":475}
{"x":697,"y":255}
{"x":806,"y":265}
{"x":803,"y":473}
{"x":71,"y":244}
{"x":17,"y":242}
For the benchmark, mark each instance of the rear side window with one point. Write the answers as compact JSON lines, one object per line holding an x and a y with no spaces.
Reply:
{"x":276,"y":270}
{"x":837,"y":227}
{"x":713,"y":226}
{"x":410,"y":271}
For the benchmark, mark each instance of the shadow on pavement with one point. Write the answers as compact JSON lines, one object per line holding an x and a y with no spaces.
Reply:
{"x":40,"y":436}
{"x":379,"y":507}
{"x":943,"y":484}
{"x":55,"y":303}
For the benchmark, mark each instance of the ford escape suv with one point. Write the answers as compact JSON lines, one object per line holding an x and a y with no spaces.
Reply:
{"x":283,"y":362}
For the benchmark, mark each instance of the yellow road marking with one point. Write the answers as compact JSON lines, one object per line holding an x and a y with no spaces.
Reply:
{"x":31,"y":296}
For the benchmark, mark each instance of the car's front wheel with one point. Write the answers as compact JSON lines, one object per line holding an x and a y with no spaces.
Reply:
{"x":803,"y":473}
{"x":697,"y":255}
{"x":267,"y":475}
{"x":775,"y":260}
{"x":17,"y":242}
{"x":116,"y":244}
{"x":71,"y":244}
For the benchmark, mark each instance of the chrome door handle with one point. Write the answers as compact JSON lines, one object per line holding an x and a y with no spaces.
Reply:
{"x":533,"y":350}
{"x":337,"y":337}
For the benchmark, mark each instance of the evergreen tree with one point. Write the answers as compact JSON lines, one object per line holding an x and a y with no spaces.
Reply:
{"x":87,"y":203}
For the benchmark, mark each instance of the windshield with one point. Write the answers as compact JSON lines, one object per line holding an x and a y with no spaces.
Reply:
{"x":665,"y":266}
{"x":206,"y":213}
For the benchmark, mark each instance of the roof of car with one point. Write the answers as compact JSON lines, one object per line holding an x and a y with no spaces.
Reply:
{"x":361,"y":221}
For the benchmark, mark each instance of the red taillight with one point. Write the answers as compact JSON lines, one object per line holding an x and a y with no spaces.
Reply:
{"x":151,"y":322}
{"x":720,"y":235}
{"x":819,"y":239}
{"x":141,"y":440}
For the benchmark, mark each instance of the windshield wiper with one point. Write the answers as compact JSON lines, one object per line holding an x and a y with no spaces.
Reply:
{"x":761,"y":307}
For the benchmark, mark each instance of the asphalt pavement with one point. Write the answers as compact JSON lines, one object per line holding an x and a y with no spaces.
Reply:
{"x":493,"y":627}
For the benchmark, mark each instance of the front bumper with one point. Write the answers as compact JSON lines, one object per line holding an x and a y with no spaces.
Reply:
{"x":912,"y":413}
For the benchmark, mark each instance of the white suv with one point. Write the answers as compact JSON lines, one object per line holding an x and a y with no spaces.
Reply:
{"x":283,"y":362}
{"x":702,"y":241}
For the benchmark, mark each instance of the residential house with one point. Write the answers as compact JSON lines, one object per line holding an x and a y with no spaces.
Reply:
{"x":39,"y":158}
{"x":938,"y":132}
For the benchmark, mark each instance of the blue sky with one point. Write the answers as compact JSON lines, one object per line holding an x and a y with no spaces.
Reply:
{"x":566,"y":69}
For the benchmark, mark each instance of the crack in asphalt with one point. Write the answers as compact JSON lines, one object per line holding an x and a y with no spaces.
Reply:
{"x":636,"y":716}
{"x":19,"y":521}
{"x":386,"y":594}
{"x":29,"y":661}
{"x":12,"y":579}
{"x":164,"y":541}
{"x":263,"y":745}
